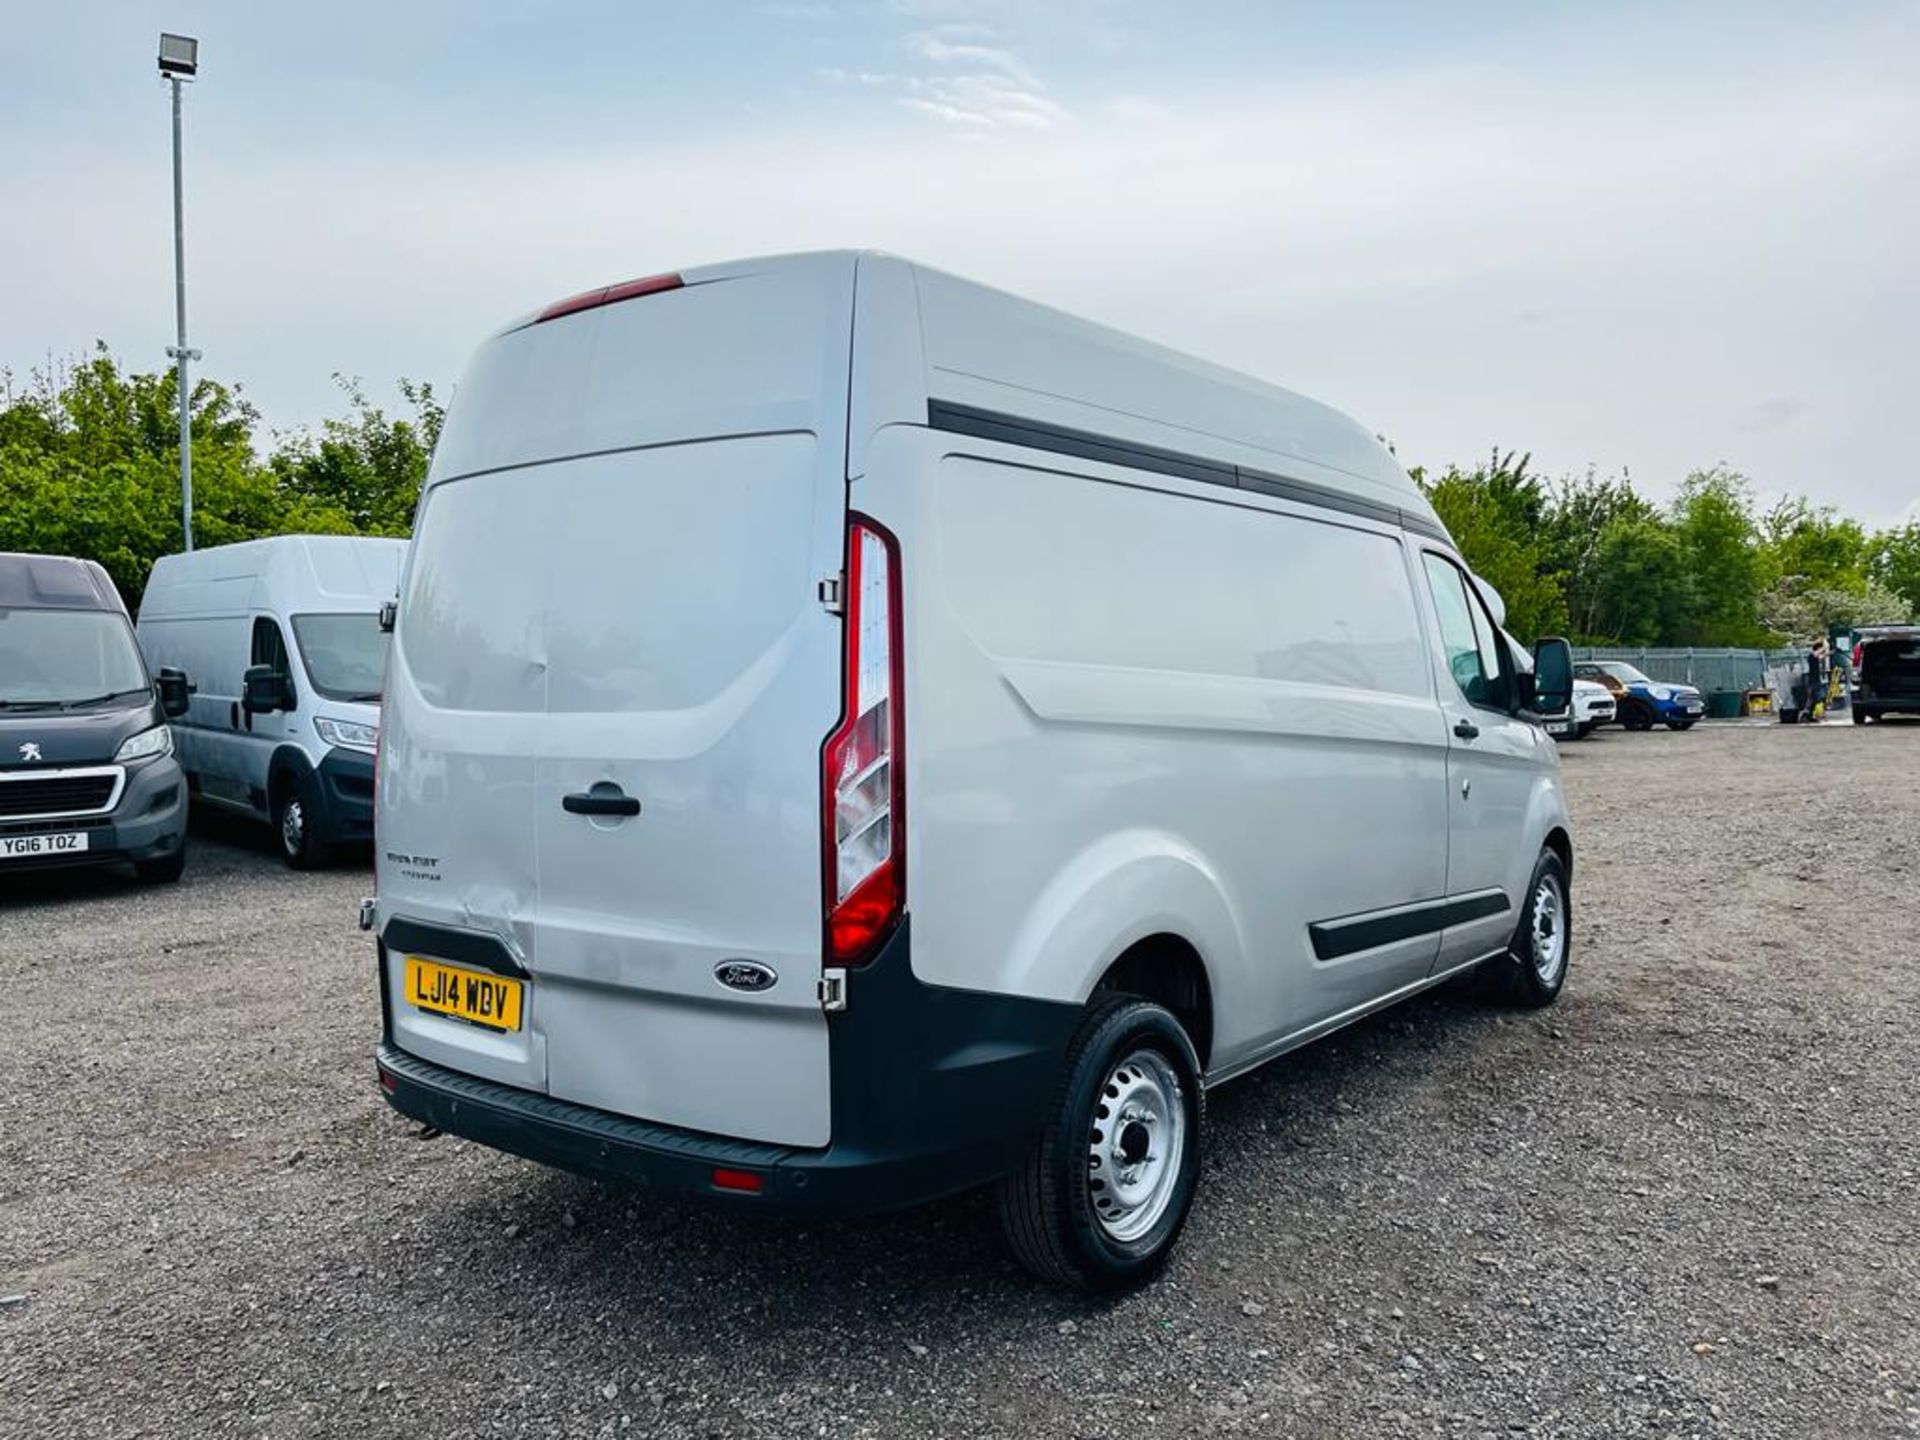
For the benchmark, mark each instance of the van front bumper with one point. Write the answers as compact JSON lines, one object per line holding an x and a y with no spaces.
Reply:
{"x":935,"y":1091}
{"x":149,"y":823}
{"x":345,"y":779}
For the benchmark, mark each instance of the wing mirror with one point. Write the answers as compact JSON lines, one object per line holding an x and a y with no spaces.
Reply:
{"x":264,"y":690}
{"x":174,"y":691}
{"x":1552,"y":678}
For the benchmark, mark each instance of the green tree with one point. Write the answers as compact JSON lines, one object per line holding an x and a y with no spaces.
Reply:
{"x":1894,"y":561}
{"x":1713,"y":522}
{"x":367,"y":465}
{"x":1497,"y":516}
{"x":89,"y":465}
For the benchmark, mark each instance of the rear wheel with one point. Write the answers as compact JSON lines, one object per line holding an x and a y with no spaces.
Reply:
{"x":296,"y":821}
{"x":1104,"y":1194}
{"x":1534,"y":968}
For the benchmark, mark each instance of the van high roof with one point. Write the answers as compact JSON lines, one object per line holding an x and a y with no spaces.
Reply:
{"x":56,"y":582}
{"x":927,"y":347}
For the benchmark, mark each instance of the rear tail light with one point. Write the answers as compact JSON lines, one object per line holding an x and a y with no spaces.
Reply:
{"x":608,"y":295}
{"x":863,"y":761}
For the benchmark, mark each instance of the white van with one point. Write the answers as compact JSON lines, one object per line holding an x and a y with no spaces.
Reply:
{"x":854,"y":735}
{"x":282,"y":640}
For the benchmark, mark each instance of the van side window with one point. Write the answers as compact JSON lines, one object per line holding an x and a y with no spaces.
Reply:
{"x":1466,"y":630}
{"x":269,"y":646}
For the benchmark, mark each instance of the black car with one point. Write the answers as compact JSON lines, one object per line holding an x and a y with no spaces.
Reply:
{"x":1888,"y":671}
{"x":87,"y":774}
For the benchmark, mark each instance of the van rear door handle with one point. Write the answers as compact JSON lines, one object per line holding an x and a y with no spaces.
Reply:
{"x":1465,"y":728}
{"x":602,"y":799}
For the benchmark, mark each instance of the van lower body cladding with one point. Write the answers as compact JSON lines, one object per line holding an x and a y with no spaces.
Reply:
{"x":934,"y":1091}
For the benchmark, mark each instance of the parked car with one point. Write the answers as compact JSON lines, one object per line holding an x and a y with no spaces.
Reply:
{"x":929,"y":752}
{"x":87,"y":774}
{"x":284,"y":642}
{"x":1887,"y":665}
{"x":1642,"y":703}
{"x":1593,"y":706}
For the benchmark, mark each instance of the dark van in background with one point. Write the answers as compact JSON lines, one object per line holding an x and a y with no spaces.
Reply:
{"x":1887,"y":667}
{"x":87,"y":774}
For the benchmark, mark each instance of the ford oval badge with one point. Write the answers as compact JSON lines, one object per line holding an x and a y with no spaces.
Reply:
{"x":748,"y":975}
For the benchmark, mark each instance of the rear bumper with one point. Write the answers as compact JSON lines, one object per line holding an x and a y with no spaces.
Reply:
{"x":1877,"y":705}
{"x":149,"y":823}
{"x":934,"y":1091}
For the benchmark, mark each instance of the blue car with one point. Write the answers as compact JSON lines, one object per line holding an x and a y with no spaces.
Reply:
{"x":1640,"y":702}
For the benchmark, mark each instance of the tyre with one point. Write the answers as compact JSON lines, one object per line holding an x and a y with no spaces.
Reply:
{"x":1534,"y":968}
{"x":1680,"y":723}
{"x":1635,"y":715}
{"x":165,"y":871}
{"x":1103,"y":1195}
{"x":1583,"y":730}
{"x":296,"y":816}
{"x":1859,"y":716}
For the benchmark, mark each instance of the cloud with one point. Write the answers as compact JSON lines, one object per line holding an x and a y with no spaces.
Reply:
{"x":983,"y":102}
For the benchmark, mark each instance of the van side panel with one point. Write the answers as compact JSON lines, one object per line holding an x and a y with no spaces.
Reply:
{"x":1218,"y":717}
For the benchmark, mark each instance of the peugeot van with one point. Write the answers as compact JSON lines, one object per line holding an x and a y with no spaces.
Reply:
{"x":283,"y":640}
{"x":87,"y":774}
{"x":853,"y":735}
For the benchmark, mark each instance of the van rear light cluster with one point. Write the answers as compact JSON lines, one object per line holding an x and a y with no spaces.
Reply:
{"x":608,"y":295}
{"x":863,"y":761}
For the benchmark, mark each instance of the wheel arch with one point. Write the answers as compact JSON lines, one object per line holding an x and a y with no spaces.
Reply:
{"x":1166,"y":969}
{"x":289,"y":766}
{"x":1144,"y":906}
{"x":1560,"y":842}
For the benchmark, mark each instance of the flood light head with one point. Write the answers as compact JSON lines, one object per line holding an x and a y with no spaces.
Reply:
{"x":179,"y":55}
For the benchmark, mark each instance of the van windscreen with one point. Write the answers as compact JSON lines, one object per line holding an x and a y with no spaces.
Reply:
{"x":345,"y":655}
{"x":54,"y":658}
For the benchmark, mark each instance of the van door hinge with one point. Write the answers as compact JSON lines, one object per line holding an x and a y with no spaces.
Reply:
{"x":833,"y":991}
{"x":833,"y":595}
{"x":366,"y":913}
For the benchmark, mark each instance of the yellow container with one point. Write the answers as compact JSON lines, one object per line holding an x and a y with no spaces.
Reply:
{"x":1759,"y":702}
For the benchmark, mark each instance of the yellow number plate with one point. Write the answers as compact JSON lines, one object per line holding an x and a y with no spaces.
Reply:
{"x":492,"y":1001}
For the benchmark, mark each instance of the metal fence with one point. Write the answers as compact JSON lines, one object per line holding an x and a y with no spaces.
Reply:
{"x":1705,"y":669}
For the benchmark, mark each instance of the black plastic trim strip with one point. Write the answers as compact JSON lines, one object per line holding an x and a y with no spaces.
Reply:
{"x":959,"y":419}
{"x":1350,"y":934}
{"x":461,"y":947}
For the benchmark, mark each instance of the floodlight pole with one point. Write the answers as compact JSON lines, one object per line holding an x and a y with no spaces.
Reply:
{"x":179,"y":351}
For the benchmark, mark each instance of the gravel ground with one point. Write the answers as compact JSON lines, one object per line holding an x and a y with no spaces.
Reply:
{"x":1684,"y":1202}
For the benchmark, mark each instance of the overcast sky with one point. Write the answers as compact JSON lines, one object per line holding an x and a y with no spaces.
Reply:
{"x":1648,"y":237}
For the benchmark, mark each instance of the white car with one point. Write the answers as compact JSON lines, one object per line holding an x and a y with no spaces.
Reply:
{"x":1593,"y":706}
{"x":852,"y":735}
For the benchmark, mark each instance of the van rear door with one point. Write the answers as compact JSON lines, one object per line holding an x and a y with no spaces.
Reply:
{"x":616,"y":570}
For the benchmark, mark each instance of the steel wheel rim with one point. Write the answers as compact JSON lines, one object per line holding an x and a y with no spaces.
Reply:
{"x":1547,"y":926}
{"x":293,"y":826}
{"x":1136,"y":1145}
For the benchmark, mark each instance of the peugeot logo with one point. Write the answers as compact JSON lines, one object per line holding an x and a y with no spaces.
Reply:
{"x":29,"y":752}
{"x":748,"y":975}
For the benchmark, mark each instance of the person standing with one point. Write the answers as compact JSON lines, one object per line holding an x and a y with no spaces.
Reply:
{"x":1817,"y":679}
